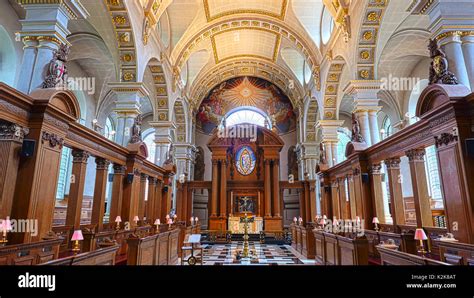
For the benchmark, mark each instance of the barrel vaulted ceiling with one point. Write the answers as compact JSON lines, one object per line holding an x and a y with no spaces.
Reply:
{"x":272,"y":39}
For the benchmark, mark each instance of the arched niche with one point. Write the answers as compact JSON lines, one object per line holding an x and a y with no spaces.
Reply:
{"x":436,"y":95}
{"x":62,"y":101}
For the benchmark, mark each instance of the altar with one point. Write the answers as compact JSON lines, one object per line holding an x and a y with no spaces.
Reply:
{"x":237,"y":227}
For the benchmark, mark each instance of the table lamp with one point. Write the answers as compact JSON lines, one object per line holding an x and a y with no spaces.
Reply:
{"x":295,"y":220}
{"x":76,"y":237}
{"x":192,"y":221}
{"x":6,"y":227}
{"x":421,"y":235}
{"x":300,"y":220}
{"x":157,"y":224}
{"x":376,"y":222}
{"x":136,"y":219}
{"x":196,"y":220}
{"x":118,"y":220}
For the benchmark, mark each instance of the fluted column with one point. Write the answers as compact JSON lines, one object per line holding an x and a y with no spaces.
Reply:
{"x":142,"y":197}
{"x":150,"y":205}
{"x":76,"y":193}
{"x":215,"y":183}
{"x":101,"y":178}
{"x":377,"y":192}
{"x":223,"y":190}
{"x":268,"y":189}
{"x":330,"y":138}
{"x":276,"y":188}
{"x":117,"y":192}
{"x":363,"y":117}
{"x":421,"y":196}
{"x":396,"y":195}
{"x":468,"y":51}
{"x":374,"y":125}
{"x":163,"y":130}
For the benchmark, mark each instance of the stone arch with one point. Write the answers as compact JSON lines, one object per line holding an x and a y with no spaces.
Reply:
{"x":365,"y":55}
{"x":125,"y":39}
{"x":311,"y":118}
{"x":8,"y":58}
{"x":331,"y":88}
{"x":179,"y":118}
{"x":161,"y":102}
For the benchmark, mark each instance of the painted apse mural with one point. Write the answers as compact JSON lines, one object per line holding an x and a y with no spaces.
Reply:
{"x":246,"y":92}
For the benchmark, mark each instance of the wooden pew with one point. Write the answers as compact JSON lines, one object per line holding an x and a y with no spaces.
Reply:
{"x":433,"y":234}
{"x":456,"y":253}
{"x":173,"y":244}
{"x":142,"y":251}
{"x":162,"y":248}
{"x":293,"y":236}
{"x":308,"y":242}
{"x":332,"y":256}
{"x":102,"y":256}
{"x":353,"y":251}
{"x":320,"y":247}
{"x":299,"y":239}
{"x":395,"y":257}
{"x":30,"y":253}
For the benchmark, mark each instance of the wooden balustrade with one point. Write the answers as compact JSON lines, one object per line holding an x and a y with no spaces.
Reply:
{"x":52,"y":119}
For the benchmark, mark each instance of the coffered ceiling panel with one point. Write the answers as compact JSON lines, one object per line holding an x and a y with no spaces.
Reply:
{"x":219,"y":8}
{"x":246,"y":42}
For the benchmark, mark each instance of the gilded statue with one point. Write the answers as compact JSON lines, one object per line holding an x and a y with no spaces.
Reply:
{"x":439,"y":73}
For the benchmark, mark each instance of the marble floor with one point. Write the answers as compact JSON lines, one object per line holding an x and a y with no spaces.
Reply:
{"x":265,"y":254}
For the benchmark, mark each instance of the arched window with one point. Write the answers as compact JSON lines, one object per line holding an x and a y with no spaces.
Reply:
{"x":247,"y":115}
{"x":327,"y":26}
{"x":386,"y":130}
{"x":109,"y":131}
{"x":344,"y":138}
{"x":149,"y":140}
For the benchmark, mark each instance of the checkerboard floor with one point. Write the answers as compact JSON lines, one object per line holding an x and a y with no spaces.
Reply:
{"x":225,"y":254}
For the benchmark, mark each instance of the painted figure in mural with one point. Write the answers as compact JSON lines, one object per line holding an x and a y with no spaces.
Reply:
{"x":243,"y":92}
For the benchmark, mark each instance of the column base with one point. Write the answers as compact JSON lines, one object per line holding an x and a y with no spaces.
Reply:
{"x":217,"y":224}
{"x":273,"y":224}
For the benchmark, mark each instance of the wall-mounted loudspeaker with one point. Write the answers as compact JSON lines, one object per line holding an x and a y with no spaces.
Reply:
{"x":165,"y":189}
{"x":365,"y":178}
{"x":470,"y":147}
{"x":28,"y":148}
{"x":130,"y":178}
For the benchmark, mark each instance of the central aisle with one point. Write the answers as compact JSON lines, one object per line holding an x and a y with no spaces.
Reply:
{"x":266,"y":254}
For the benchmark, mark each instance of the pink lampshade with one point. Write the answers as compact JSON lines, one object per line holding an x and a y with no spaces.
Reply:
{"x":420,"y":235}
{"x":167,"y":216}
{"x":136,"y":218}
{"x":157,"y":222}
{"x":118,"y":219}
{"x":77,"y":236}
{"x":300,"y":219}
{"x":322,"y":222}
{"x":375,"y":220}
{"x":325,"y":217}
{"x":175,"y":216}
{"x":192,"y":219}
{"x":170,"y":221}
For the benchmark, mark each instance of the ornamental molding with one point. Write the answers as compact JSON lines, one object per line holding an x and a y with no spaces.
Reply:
{"x":53,"y":140}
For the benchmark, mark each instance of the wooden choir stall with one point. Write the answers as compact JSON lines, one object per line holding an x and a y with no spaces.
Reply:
{"x":35,"y":131}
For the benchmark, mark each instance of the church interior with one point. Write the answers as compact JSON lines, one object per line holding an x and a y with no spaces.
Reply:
{"x":219,"y":132}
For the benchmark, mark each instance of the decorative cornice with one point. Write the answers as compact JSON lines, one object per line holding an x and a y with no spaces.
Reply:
{"x":393,"y":163}
{"x":375,"y":169}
